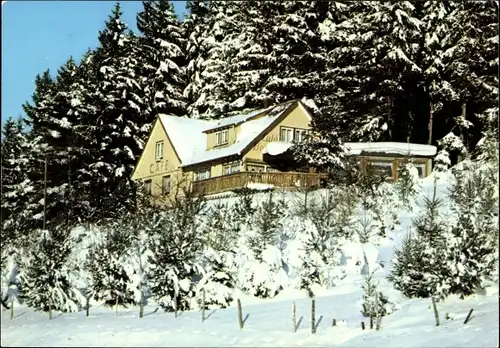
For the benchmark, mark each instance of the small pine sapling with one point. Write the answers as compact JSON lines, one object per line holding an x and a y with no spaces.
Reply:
{"x":375,"y":303}
{"x":43,"y":277}
{"x":109,"y":281}
{"x":175,"y":251}
{"x":421,"y":266}
{"x":407,"y":184}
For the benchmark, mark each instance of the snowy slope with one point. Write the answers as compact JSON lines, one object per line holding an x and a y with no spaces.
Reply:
{"x":268,"y":322}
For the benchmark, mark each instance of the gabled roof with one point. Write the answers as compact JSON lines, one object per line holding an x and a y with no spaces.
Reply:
{"x":189,"y":141}
{"x":235,"y":120}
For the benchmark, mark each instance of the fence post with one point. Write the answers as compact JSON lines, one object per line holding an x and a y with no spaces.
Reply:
{"x":468,"y":316}
{"x":202,"y":305}
{"x":313,"y":316}
{"x":294,"y":318}
{"x":240,"y":314}
{"x":436,"y":314}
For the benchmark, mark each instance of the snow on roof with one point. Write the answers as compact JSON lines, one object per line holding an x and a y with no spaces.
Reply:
{"x":237,"y":119}
{"x":190,"y":143}
{"x":277,"y":147}
{"x":185,"y":134}
{"x":392,"y":148}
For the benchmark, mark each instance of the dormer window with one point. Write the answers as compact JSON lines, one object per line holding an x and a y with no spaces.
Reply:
{"x":159,"y":150}
{"x":221,"y":137}
{"x":286,"y":134}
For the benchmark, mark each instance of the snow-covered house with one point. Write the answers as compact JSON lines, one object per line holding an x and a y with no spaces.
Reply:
{"x":213,"y":156}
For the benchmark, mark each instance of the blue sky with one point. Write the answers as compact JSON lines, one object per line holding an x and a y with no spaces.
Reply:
{"x":40,"y":35}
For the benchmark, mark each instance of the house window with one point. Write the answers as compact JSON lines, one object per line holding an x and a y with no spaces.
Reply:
{"x":202,"y":175}
{"x":286,"y":134}
{"x":298,"y":135}
{"x":381,"y":168}
{"x":231,"y":168}
{"x":421,"y":170}
{"x":147,"y":186}
{"x":255,"y":168}
{"x":221,"y":137}
{"x":159,"y":150}
{"x":165,"y":185}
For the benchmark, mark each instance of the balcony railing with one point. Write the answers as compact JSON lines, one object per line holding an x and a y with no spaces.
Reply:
{"x":242,"y":179}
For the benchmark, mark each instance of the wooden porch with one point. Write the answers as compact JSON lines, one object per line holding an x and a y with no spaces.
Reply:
{"x":241,"y":179}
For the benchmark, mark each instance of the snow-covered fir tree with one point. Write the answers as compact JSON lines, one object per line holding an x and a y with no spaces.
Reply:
{"x":162,"y":58}
{"x":15,"y":183}
{"x":297,"y":50}
{"x":472,"y":244}
{"x":220,"y":44}
{"x":120,"y":129}
{"x":108,"y":279}
{"x":408,"y":184}
{"x":175,"y":255}
{"x":194,"y":28}
{"x":420,"y":266}
{"x":43,"y":274}
{"x":375,"y":303}
{"x":267,"y":224}
{"x":221,"y":237}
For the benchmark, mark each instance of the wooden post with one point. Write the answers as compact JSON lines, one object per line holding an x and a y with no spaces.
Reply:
{"x":87,"y":305}
{"x":371,"y":317}
{"x":202,"y":305}
{"x":334,"y":322}
{"x":50,"y":310}
{"x":12,"y":310}
{"x":313,"y":316}
{"x":116,"y":305}
{"x":465,"y":322}
{"x":176,"y":305}
{"x":362,"y":325}
{"x":436,"y":314}
{"x":44,"y":192}
{"x":141,"y":305}
{"x":294,"y":318}
{"x":240,"y":315}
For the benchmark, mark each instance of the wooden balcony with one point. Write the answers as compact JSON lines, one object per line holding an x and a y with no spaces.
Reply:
{"x":239,"y":180}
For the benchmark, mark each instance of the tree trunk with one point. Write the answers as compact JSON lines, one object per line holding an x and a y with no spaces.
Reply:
{"x":431,"y":120}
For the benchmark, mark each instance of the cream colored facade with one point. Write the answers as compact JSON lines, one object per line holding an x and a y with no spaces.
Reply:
{"x":212,"y":150}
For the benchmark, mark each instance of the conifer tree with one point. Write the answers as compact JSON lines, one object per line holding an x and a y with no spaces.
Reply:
{"x":163,"y":59}
{"x":194,"y":29}
{"x":175,"y":255}
{"x":44,"y":277}
{"x":119,"y":130}
{"x":13,"y":152}
{"x":109,"y":280}
{"x":421,"y":265}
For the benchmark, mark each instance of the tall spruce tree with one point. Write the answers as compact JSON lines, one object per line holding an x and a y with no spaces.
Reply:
{"x":162,"y":57}
{"x":220,"y":44}
{"x":15,"y":183}
{"x":194,"y":29}
{"x":297,"y":51}
{"x":120,"y":128}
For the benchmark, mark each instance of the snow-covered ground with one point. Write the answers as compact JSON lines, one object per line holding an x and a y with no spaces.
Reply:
{"x":269,"y":322}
